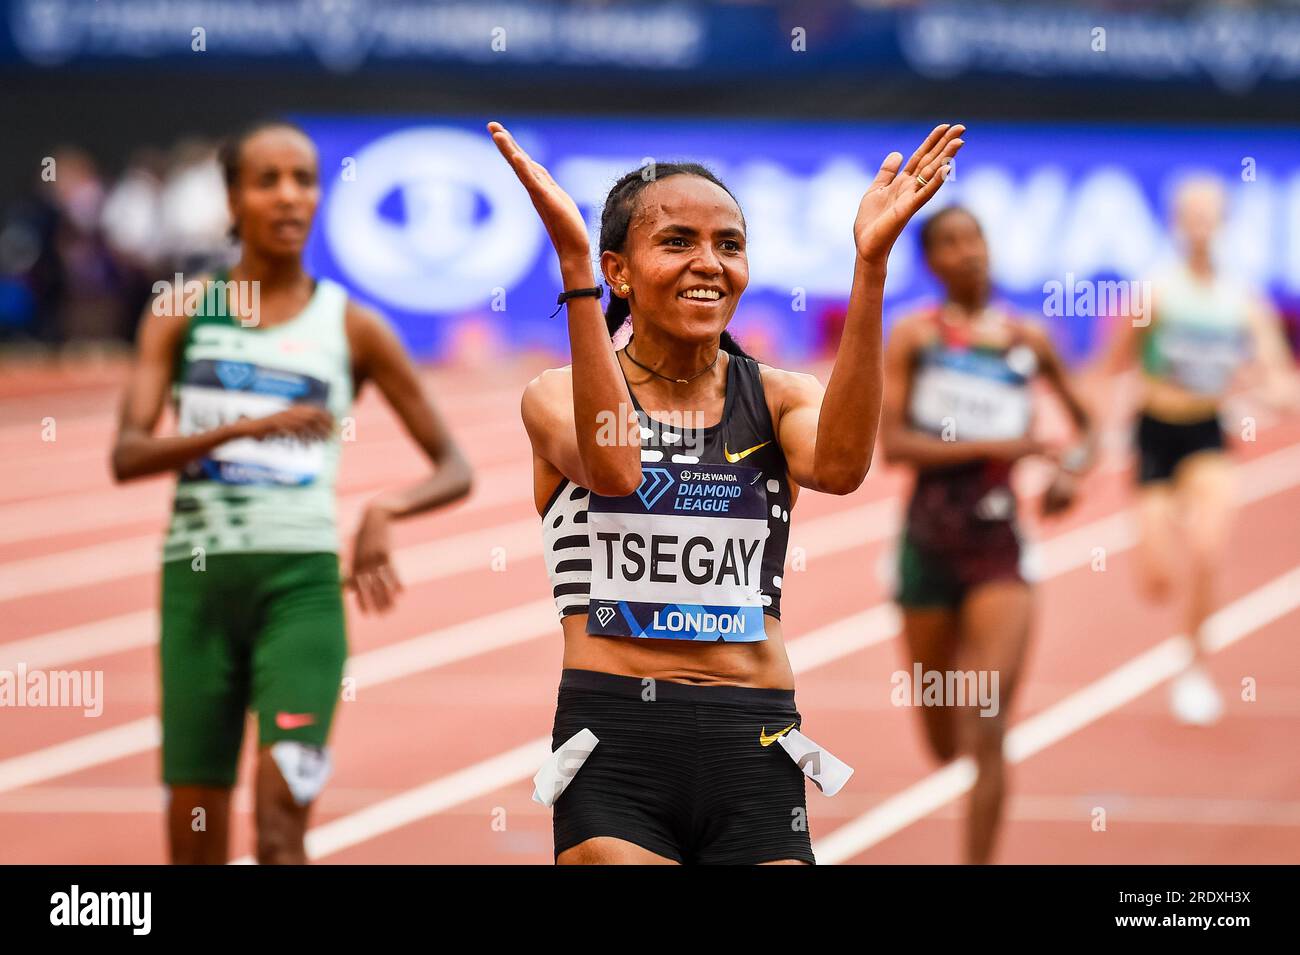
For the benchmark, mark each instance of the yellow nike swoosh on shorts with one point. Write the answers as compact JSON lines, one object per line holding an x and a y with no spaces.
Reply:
{"x":733,"y":458}
{"x":765,"y":740}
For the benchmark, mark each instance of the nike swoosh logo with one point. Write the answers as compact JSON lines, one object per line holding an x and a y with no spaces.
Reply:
{"x":765,"y":740}
{"x":294,"y":721}
{"x":733,"y":458}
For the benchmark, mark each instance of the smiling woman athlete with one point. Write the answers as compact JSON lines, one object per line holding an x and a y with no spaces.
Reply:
{"x":252,"y":610}
{"x":665,"y":530}
{"x":958,"y":410}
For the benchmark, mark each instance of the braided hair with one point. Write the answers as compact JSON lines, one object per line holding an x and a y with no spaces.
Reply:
{"x":616,"y":217}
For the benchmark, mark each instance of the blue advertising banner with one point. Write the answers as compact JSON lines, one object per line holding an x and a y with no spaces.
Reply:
{"x":422,"y":218}
{"x":1234,"y":47}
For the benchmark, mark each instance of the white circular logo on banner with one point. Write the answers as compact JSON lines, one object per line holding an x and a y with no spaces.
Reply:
{"x":433,"y":221}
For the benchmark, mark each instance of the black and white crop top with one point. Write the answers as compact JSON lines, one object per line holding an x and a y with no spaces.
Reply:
{"x":697,"y":552}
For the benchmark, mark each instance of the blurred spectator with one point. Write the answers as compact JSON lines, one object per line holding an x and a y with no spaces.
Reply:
{"x":132,"y":211}
{"x":194,"y":220}
{"x":79,"y":257}
{"x":88,"y":303}
{"x":131,"y":224}
{"x":31,"y":273}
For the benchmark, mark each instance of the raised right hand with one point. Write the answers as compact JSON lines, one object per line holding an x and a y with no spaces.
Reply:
{"x":896,"y":194}
{"x":559,"y":213}
{"x":301,"y":421}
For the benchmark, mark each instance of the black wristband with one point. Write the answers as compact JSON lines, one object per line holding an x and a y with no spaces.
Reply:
{"x":594,"y":292}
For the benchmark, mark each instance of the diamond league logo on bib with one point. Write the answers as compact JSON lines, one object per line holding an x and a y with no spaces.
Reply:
{"x":217,"y":392}
{"x":680,"y":559}
{"x":655,"y":482}
{"x":235,"y":375}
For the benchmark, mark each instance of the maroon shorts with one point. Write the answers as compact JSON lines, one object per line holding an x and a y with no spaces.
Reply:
{"x":961,"y":532}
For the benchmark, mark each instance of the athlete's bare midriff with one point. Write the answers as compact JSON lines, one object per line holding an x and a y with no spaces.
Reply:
{"x":761,"y":664}
{"x":1173,"y":403}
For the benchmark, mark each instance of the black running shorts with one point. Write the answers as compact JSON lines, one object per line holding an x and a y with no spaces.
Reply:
{"x":691,"y":773}
{"x":1162,"y":445}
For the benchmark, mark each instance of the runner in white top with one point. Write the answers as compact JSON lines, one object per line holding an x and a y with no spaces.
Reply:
{"x":1206,"y":334}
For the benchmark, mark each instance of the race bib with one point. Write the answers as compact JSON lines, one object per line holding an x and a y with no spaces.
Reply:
{"x":973,"y":397}
{"x":221,"y":392}
{"x":680,"y":558}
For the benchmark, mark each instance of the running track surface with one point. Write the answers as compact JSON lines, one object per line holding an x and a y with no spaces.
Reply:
{"x":454,"y":690}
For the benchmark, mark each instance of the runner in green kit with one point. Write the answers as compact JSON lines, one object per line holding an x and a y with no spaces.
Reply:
{"x":262,"y":364}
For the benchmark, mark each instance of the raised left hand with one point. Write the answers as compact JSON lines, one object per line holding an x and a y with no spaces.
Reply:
{"x":896,"y":194}
{"x":373,"y":577}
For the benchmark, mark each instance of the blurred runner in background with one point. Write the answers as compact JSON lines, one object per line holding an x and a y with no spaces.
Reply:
{"x":959,"y":411}
{"x":1207,"y":332}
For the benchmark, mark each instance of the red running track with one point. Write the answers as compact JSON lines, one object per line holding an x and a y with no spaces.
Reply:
{"x":455,"y":689}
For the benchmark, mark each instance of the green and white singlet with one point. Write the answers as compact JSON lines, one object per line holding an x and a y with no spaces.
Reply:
{"x":269,"y":495}
{"x":1200,"y":335}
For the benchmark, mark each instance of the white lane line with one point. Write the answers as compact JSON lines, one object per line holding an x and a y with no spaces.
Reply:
{"x":1178,"y":810}
{"x":1127,"y":682}
{"x":140,"y":799}
{"x":436,"y":796}
{"x":92,"y":442}
{"x":420,"y":563}
{"x":110,"y":506}
{"x":66,"y":513}
{"x":85,"y":642}
{"x":101,"y":563}
{"x":458,"y":642}
{"x":117,"y":560}
{"x":128,"y":739}
{"x":834,"y":641}
{"x":500,"y":406}
{"x":519,"y":624}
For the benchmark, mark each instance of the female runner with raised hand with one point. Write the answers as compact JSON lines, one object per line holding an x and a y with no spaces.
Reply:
{"x":665,"y":544}
{"x":252,"y":607}
{"x":958,"y":410}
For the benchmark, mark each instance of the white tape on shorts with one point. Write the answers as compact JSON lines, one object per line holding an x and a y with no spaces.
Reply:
{"x":305,"y":768}
{"x":558,"y":771}
{"x":828,"y":772}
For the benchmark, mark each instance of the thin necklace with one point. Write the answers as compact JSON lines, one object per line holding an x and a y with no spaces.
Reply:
{"x":627,"y":350}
